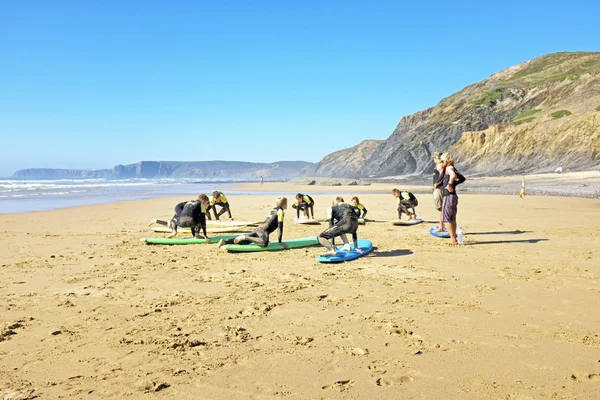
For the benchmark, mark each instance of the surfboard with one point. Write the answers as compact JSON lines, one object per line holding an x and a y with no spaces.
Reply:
{"x":164,"y":229}
{"x":365,"y":245}
{"x":273,"y":246}
{"x":232,"y":223}
{"x":307,"y":221}
{"x":406,"y":222}
{"x":444,"y":234}
{"x":188,"y":240}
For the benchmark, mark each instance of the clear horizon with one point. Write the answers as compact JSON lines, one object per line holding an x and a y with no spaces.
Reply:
{"x":96,"y":84}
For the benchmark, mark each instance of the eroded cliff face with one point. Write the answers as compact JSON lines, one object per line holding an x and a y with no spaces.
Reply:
{"x":348,"y":161}
{"x":528,"y":118}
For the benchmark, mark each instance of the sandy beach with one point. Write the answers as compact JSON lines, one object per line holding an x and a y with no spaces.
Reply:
{"x":87,"y":311}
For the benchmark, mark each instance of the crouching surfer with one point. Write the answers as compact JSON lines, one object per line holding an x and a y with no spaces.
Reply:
{"x":189,"y":214}
{"x":342,"y":220}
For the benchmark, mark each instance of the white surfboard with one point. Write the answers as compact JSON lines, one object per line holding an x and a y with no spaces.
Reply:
{"x":307,"y":221}
{"x":232,"y":223}
{"x":406,"y":222}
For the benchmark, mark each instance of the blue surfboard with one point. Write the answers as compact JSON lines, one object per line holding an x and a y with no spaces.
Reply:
{"x":444,"y":234}
{"x":364,"y":245}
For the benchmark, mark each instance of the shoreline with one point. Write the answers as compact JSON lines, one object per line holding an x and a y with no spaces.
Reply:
{"x":572,"y":185}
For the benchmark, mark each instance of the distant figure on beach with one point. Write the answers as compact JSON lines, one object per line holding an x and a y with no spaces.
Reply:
{"x":261,"y":180}
{"x":190,"y":214}
{"x":438,"y":179}
{"x":304,"y":203}
{"x":406,"y":200}
{"x":342,"y":220}
{"x":219,"y":199}
{"x":450,"y":201}
{"x":260,"y":234}
{"x":359,"y":209}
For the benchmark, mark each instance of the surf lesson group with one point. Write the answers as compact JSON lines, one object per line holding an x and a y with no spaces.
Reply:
{"x":344,"y":219}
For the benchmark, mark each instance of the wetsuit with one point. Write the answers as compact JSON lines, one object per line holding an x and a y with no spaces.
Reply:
{"x":360,"y":209}
{"x":405,"y":201}
{"x":342,"y":220}
{"x":223,"y":203}
{"x":189,"y":214}
{"x":260,"y":234}
{"x":306,"y":204}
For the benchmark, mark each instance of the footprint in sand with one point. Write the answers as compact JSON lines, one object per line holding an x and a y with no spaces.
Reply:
{"x":341,"y":385}
{"x":390,"y":381}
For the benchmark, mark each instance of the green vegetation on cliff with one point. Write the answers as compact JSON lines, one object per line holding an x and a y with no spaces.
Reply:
{"x":556,"y":68}
{"x":528,"y":113}
{"x":561,"y":113}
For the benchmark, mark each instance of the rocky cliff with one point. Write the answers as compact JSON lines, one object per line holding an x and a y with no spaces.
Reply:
{"x":176,"y":169}
{"x":532,"y":117}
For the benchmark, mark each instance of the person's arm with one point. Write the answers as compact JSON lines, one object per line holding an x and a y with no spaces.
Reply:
{"x":203,"y":226}
{"x":441,"y":175}
{"x":280,"y":216}
{"x":452,"y":178}
{"x":228,"y":210}
{"x":364,"y":212}
{"x":179,"y":208}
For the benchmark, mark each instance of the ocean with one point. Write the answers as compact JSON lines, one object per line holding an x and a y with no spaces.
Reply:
{"x":18,"y":196}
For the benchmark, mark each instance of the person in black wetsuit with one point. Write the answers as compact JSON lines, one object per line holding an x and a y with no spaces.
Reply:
{"x":406,"y":200}
{"x":260,"y":234}
{"x":191,"y":214}
{"x":359,"y":208}
{"x":218,"y":199}
{"x":342,"y":220}
{"x":305,"y":203}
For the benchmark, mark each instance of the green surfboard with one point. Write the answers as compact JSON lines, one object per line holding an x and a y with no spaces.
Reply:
{"x":273,"y":246}
{"x":188,"y":240}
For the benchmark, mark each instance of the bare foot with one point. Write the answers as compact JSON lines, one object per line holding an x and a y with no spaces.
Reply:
{"x":238,"y":239}
{"x":152,"y":222}
{"x":221,"y":243}
{"x":329,"y":253}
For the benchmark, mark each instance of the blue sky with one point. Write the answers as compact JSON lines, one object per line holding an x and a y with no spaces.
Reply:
{"x":91,"y":84}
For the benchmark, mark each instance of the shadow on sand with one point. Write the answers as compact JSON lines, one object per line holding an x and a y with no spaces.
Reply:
{"x":515,"y":232}
{"x":507,"y":241}
{"x":391,"y":253}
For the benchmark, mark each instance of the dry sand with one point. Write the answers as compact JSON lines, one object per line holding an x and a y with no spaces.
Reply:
{"x":87,"y":311}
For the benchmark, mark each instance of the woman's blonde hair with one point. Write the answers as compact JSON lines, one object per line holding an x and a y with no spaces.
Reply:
{"x":437,"y":157}
{"x":447,"y":157}
{"x":281,"y":201}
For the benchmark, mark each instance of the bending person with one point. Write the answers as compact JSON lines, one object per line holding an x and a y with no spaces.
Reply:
{"x":406,"y":200}
{"x":219,"y":199}
{"x":359,"y":208}
{"x":190,"y":214}
{"x":305,"y":203}
{"x":342,"y":220}
{"x":260,"y":234}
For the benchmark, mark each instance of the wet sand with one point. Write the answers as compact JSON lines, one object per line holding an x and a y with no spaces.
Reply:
{"x":90,"y":312}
